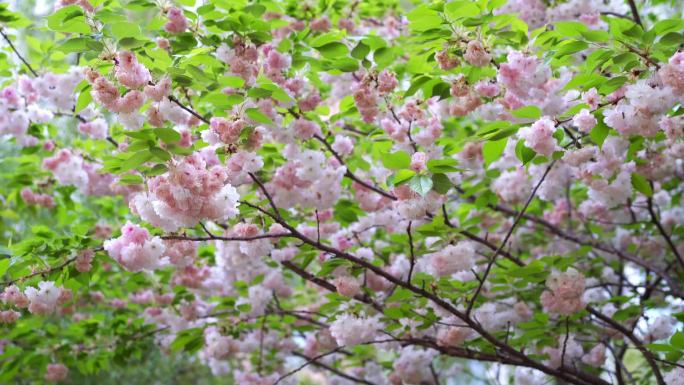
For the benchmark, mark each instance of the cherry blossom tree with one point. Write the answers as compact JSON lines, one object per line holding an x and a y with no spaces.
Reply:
{"x":343,"y":192}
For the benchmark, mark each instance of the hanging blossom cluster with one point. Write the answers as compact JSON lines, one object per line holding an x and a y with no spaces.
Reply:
{"x":136,"y":250}
{"x":36,"y":100}
{"x":195,"y":188}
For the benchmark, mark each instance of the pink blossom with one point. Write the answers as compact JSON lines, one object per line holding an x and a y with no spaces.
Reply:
{"x":585,"y":121}
{"x":446,"y":61}
{"x":160,"y":90}
{"x":387,"y":81}
{"x":476,"y":55}
{"x":129,"y":72}
{"x":452,"y":259}
{"x":9,"y":316}
{"x":310,"y":102}
{"x":84,"y":260}
{"x":487,"y":89}
{"x":31,"y":198}
{"x":418,"y":161}
{"x":672,"y":74}
{"x":349,"y":330}
{"x":135,"y":249}
{"x":43,"y":301}
{"x":347,"y":286}
{"x":591,"y":98}
{"x":565,"y":292}
{"x":177,"y":22}
{"x":96,"y":129}
{"x":228,"y":131}
{"x":539,"y":136}
{"x":189,"y":192}
{"x":321,"y":24}
{"x":305,"y":129}
{"x":56,"y":373}
{"x":343,"y":145}
{"x":13,"y":296}
{"x":366,"y":100}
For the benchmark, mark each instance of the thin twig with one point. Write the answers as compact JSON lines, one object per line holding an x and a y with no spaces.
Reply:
{"x":16,"y":52}
{"x":505,"y":240}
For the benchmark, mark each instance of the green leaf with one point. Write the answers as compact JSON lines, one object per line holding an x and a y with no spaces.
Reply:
{"x":258,"y":116}
{"x":168,"y":135}
{"x":492,"y":150}
{"x":445,"y":165}
{"x":84,"y":98}
{"x":641,"y":184}
{"x":80,"y":44}
{"x":231,"y":81}
{"x":131,"y":179}
{"x":123,"y":30}
{"x":402,"y":176}
{"x":397,"y":160}
{"x":384,"y":56}
{"x":136,"y":160}
{"x":677,"y":339}
{"x":461,"y":9}
{"x":570,"y":48}
{"x":333,"y":50}
{"x":524,"y":153}
{"x":423,"y":18}
{"x":599,"y":133}
{"x":68,"y":19}
{"x":4,"y":265}
{"x":360,"y":51}
{"x":421,"y":184}
{"x":161,"y":154}
{"x":527,"y":112}
{"x":441,"y":183}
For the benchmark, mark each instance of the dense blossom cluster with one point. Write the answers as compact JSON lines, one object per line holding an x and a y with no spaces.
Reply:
{"x":421,"y":190}
{"x":195,"y":188}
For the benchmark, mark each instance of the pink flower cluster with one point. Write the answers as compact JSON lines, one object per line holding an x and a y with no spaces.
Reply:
{"x":56,"y":373}
{"x":35,"y":101}
{"x":242,"y":59}
{"x":96,"y":129}
{"x":349,"y":330}
{"x":308,"y":179}
{"x":45,"y":299}
{"x":31,"y":198}
{"x":539,"y":136}
{"x":476,"y":54}
{"x":672,"y":74}
{"x":189,"y":192}
{"x":452,"y":259}
{"x":177,"y":22}
{"x":366,"y":100}
{"x":136,"y":250}
{"x":565,"y":292}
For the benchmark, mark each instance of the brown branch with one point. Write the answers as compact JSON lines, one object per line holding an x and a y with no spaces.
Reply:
{"x":307,"y":363}
{"x":266,"y":193}
{"x":480,"y":240}
{"x":661,"y":229}
{"x":413,"y":255}
{"x":213,"y":237}
{"x":188,"y":109}
{"x":335,"y":371}
{"x":46,"y":271}
{"x":565,"y":373}
{"x":350,"y":174}
{"x":16,"y":52}
{"x":639,"y":345}
{"x":635,"y":12}
{"x":507,"y":237}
